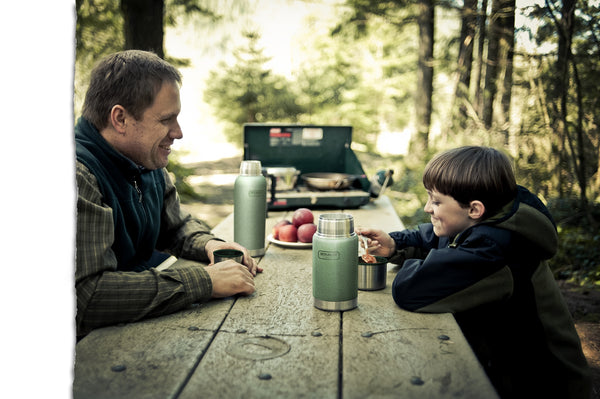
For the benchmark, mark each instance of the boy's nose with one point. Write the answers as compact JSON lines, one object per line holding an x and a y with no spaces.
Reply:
{"x":427,"y":207}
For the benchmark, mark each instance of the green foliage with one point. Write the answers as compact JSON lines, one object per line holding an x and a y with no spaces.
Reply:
{"x":578,"y":256}
{"x":247,"y":92}
{"x":565,"y":110}
{"x":179,"y":173}
{"x":98,"y":32}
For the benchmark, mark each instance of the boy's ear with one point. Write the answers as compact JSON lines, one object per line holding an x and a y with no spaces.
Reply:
{"x":476,"y":209}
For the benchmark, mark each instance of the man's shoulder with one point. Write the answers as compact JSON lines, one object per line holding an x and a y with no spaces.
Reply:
{"x":82,"y":171}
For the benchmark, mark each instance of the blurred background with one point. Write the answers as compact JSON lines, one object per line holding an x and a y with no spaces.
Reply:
{"x":412,"y":77}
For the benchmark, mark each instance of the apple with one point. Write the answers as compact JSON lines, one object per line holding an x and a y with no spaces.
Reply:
{"x":288,"y":233}
{"x":277,"y":226}
{"x":306,"y":232}
{"x":302,"y":216}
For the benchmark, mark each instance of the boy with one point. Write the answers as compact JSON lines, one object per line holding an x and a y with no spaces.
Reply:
{"x":483,"y":258}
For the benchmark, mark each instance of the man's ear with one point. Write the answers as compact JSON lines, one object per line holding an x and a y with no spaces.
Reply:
{"x":476,"y":209}
{"x":118,"y":118}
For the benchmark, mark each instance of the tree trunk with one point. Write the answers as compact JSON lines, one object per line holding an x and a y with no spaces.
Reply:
{"x":481,"y":24}
{"x":419,"y":144}
{"x":143,"y":25}
{"x":465,"y":61}
{"x":576,"y":145}
{"x":491,"y":70}
{"x":507,"y":45}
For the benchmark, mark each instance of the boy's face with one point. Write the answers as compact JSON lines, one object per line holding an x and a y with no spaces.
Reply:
{"x":447,"y":216}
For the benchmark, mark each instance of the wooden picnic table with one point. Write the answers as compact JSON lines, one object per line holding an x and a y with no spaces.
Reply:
{"x":276,"y":344}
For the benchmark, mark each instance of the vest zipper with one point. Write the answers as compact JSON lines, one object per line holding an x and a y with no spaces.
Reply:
{"x":137,"y":189}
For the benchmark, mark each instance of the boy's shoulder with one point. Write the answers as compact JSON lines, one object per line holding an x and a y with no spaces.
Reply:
{"x":492,"y":232}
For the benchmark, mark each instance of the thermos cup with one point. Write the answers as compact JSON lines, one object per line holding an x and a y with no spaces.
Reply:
{"x":335,"y":263}
{"x":250,"y":208}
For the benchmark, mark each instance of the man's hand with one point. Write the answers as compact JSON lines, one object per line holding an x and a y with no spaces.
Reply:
{"x":248,"y":261}
{"x":230,"y":278}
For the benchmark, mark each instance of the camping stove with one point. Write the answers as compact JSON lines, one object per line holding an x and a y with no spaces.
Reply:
{"x":310,"y":150}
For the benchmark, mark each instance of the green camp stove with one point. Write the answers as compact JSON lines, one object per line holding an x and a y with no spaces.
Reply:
{"x":310,"y":166}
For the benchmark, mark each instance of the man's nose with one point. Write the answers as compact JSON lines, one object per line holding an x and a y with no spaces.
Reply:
{"x":176,"y":132}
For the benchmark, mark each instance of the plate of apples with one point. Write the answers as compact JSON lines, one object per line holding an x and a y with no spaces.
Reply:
{"x":295,"y":233}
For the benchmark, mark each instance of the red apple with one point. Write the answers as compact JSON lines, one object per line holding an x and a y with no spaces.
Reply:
{"x":278,"y":226}
{"x":306,"y":232}
{"x":302,"y":216}
{"x":288,"y":233}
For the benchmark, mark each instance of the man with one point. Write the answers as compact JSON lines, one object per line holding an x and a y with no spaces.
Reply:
{"x":128,"y":215}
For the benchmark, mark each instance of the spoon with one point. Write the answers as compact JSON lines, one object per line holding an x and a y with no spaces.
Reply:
{"x":366,"y":256}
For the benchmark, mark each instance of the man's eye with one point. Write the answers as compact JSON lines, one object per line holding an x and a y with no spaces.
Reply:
{"x":168,"y":119}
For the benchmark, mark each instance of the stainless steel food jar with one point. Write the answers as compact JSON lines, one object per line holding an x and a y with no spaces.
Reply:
{"x":372,"y":276}
{"x":335,"y":264}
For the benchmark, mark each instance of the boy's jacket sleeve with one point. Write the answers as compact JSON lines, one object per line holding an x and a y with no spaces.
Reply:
{"x":455,"y":279}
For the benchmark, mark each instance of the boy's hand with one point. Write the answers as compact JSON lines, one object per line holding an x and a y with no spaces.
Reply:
{"x":380,"y":243}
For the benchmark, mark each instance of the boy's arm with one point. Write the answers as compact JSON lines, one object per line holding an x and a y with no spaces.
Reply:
{"x":413,"y":243}
{"x":454,"y":279}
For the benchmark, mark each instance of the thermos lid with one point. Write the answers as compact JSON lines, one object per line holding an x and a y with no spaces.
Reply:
{"x":335,"y":225}
{"x":250,"y":168}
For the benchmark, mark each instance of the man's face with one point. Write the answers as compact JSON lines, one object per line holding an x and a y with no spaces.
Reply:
{"x":150,"y":138}
{"x":447,"y":215}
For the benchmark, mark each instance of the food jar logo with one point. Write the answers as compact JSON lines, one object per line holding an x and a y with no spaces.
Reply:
{"x":256,"y":193}
{"x":328,"y":255}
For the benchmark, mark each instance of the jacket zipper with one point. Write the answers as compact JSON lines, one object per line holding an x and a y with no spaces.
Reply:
{"x":138,"y":190}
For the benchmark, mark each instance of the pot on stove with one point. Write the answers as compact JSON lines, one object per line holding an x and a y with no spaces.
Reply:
{"x":328,"y":181}
{"x":283,"y":178}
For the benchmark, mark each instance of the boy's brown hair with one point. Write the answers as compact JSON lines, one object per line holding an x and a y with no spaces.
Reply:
{"x":473,"y":173}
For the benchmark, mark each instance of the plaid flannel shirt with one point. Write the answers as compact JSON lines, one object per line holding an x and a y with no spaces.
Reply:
{"x":107,"y":296}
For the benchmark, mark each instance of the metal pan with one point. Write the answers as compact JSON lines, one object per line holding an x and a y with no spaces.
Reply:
{"x":328,"y":181}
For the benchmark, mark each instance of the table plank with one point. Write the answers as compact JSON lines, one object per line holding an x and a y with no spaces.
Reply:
{"x":296,"y":374}
{"x":281,"y":308}
{"x":429,"y":353}
{"x":147,"y":359}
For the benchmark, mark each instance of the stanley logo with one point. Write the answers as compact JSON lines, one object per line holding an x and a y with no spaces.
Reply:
{"x":328,"y":255}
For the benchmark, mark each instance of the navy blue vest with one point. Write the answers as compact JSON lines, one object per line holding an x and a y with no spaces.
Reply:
{"x":134,"y":194}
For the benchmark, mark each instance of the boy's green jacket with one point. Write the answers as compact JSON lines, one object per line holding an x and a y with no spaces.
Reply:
{"x":495,"y":279}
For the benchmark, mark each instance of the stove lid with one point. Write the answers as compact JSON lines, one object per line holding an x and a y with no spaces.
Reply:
{"x":309,"y":148}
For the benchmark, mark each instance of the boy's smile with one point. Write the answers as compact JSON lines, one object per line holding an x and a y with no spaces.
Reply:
{"x":448,"y":217}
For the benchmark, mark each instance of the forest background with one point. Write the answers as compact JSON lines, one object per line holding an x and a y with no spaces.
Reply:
{"x":411,"y":76}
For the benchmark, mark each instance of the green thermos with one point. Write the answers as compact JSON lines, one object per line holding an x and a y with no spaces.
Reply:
{"x":335,"y":263}
{"x":250,"y":208}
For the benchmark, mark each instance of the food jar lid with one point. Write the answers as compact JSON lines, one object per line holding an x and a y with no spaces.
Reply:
{"x":250,"y":168}
{"x":335,"y":225}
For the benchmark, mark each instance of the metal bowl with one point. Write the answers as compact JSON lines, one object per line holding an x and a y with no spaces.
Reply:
{"x":328,"y":181}
{"x":372,"y":276}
